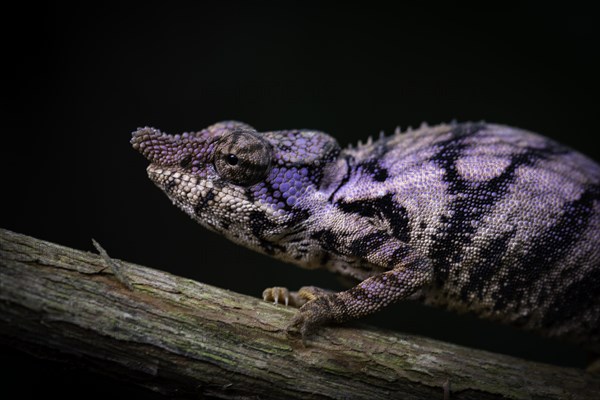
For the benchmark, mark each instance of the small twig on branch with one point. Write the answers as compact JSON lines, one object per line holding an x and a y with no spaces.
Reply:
{"x":114,"y":265}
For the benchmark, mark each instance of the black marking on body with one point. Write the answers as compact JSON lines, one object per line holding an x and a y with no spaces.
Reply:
{"x":364,"y":296}
{"x":366,"y":245}
{"x":328,"y":240}
{"x":325,"y":258}
{"x":202,"y":203}
{"x":170,"y":185}
{"x":455,"y":227}
{"x":259,"y":224}
{"x":486,"y":268}
{"x":315,"y":171}
{"x":271,"y":247}
{"x":375,"y":170}
{"x":550,"y":247}
{"x":397,"y":257}
{"x":472,"y":201}
{"x":296,"y":229}
{"x":574,"y":301}
{"x":345,"y":179}
{"x":383,"y":207}
{"x":297,"y":218}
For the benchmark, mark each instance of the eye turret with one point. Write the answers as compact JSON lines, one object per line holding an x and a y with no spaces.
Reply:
{"x":242,"y":158}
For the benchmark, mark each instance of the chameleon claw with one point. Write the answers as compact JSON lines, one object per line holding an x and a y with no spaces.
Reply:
{"x":277,"y":294}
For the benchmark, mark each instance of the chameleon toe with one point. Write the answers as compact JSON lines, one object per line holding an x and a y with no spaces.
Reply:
{"x":277,"y":295}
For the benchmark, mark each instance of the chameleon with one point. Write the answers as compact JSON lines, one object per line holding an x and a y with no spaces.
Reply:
{"x":473,"y":217}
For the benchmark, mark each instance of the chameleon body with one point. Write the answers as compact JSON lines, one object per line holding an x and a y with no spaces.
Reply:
{"x":473,"y":217}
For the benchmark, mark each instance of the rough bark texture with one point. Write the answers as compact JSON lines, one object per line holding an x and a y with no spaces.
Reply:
{"x":184,"y":338}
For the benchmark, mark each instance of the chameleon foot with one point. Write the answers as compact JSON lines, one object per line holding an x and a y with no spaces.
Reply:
{"x":317,"y":306}
{"x":315,"y":313}
{"x":281,"y":295}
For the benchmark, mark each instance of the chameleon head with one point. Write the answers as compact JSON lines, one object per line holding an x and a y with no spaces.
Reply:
{"x":250,"y":186}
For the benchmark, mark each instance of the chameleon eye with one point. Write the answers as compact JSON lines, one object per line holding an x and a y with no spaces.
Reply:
{"x":231,"y":159}
{"x":242,"y":158}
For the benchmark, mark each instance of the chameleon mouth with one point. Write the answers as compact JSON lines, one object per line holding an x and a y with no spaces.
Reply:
{"x":164,"y":178}
{"x":159,"y":175}
{"x":169,"y":179}
{"x":184,"y":189}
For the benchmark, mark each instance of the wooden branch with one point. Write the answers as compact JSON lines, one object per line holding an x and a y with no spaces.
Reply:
{"x":184,"y":338}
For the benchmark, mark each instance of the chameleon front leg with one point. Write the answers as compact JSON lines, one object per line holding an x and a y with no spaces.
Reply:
{"x":410,"y":272}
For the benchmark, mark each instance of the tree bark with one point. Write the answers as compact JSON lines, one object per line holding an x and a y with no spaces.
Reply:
{"x":184,"y":338}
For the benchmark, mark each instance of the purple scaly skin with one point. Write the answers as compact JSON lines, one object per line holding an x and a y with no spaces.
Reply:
{"x":473,"y":217}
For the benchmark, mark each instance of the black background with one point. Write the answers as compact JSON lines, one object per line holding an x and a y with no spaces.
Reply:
{"x":80,"y":78}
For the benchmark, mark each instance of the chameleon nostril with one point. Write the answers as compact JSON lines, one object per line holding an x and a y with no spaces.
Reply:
{"x":185,"y":162}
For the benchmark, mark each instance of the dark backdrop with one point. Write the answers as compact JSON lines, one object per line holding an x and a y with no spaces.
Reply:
{"x":79,"y":79}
